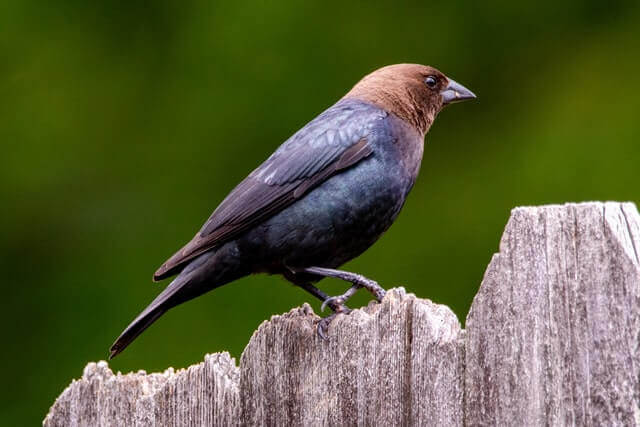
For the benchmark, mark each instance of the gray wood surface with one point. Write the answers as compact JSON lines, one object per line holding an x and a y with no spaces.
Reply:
{"x":553,"y":333}
{"x":203,"y":394}
{"x":553,"y":338}
{"x":389,"y":363}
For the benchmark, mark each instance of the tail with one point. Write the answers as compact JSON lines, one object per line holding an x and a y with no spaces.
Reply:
{"x":185,"y":286}
{"x":163,"y":302}
{"x":206,"y":272}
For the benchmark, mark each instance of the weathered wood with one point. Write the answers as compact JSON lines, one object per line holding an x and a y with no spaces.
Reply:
{"x":393,"y":362}
{"x":387,"y":364}
{"x":553,"y":333}
{"x":203,"y":394}
{"x":553,"y":337}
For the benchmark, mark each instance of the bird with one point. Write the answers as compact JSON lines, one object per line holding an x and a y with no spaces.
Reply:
{"x":321,"y":199}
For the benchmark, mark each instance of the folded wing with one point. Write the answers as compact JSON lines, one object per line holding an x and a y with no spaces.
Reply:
{"x":334,"y":141}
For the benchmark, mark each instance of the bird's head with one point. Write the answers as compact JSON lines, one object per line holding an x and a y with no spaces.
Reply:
{"x":415,"y":93}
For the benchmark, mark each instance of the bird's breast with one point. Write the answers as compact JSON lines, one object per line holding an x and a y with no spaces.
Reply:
{"x":407,"y":147}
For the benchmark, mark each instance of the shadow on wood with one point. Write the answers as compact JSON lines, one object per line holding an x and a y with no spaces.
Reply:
{"x":552,"y":338}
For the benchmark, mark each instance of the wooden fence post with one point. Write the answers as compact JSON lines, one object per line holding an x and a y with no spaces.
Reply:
{"x":552,"y":338}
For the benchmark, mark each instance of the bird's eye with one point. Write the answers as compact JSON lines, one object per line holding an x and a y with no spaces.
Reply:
{"x":431,"y":82}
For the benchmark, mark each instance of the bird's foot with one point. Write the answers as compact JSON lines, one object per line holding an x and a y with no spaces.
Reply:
{"x":338,"y":307}
{"x":373,"y":287}
{"x":340,"y":299}
{"x":337,"y":303}
{"x":358,"y":280}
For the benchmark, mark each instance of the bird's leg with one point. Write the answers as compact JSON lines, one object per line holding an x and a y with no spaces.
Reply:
{"x":335,"y":304}
{"x":358,"y":280}
{"x":314,"y":291}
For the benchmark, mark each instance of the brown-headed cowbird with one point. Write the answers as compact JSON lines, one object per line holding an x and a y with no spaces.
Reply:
{"x":321,"y":199}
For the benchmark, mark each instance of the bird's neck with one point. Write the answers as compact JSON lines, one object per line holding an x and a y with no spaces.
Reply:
{"x":400,"y":104}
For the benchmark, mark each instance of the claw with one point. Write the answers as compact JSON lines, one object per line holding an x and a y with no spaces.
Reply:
{"x":374,"y":288}
{"x":338,"y":308}
{"x":323,"y":326}
{"x":339,"y":300}
{"x":332,"y":301}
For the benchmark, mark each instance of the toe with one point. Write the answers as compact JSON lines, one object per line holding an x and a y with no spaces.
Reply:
{"x":335,"y":303}
{"x":323,"y":329}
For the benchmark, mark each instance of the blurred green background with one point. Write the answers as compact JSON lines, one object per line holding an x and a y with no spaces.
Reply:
{"x":123,"y":124}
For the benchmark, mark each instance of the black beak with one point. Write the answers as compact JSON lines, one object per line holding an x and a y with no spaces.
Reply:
{"x":455,"y":92}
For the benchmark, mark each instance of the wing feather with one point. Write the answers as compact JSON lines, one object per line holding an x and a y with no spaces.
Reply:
{"x":311,"y":156}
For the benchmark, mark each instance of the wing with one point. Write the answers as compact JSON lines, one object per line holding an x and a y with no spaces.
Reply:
{"x":334,"y":141}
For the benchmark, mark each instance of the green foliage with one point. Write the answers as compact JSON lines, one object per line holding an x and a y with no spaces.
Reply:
{"x":123,"y":124}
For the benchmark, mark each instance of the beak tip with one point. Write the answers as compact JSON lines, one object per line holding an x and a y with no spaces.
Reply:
{"x":455,"y":92}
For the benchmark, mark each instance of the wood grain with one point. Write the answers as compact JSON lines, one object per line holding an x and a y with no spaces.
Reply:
{"x":553,"y":338}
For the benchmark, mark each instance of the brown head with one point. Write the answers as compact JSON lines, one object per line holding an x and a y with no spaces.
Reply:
{"x":415,"y":93}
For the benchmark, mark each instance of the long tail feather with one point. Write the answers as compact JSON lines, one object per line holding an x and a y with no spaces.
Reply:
{"x":199,"y":276}
{"x":169,"y":298}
